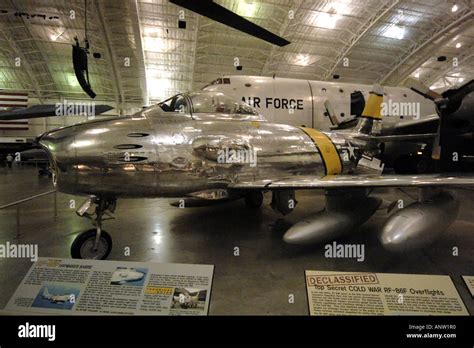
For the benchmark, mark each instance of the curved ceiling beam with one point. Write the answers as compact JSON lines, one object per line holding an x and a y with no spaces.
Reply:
{"x":418,"y":47}
{"x":137,"y":34}
{"x":44,"y":59}
{"x":29,"y":71}
{"x":366,"y":26}
{"x":443,"y":72}
{"x":195,"y":49}
{"x":120,"y":95}
{"x":295,"y":7}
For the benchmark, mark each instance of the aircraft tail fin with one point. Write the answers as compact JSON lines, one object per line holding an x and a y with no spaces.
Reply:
{"x":370,"y":122}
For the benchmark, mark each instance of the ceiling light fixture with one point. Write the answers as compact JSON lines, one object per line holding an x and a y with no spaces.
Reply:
{"x":153,"y":44}
{"x":326,"y":20}
{"x":394,"y":32}
{"x":302,"y":59}
{"x":158,"y":86}
{"x":249,"y":9}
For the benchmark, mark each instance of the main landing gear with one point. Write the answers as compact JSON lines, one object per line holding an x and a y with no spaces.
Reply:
{"x":95,"y":243}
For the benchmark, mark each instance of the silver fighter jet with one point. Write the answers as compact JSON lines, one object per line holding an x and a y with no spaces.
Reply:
{"x":207,"y":146}
{"x":57,"y":298}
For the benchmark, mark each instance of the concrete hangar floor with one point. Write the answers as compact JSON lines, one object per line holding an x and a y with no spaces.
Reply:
{"x":259,"y":280}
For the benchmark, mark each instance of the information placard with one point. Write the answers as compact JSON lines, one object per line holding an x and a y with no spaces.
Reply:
{"x":351,"y":293}
{"x":71,"y":286}
{"x":469,"y":280}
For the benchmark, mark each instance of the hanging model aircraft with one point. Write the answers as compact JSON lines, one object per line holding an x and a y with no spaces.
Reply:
{"x":209,"y":146}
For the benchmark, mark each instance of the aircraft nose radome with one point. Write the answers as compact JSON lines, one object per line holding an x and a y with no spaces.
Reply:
{"x":57,"y":144}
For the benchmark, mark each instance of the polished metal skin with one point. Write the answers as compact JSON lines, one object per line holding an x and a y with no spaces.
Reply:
{"x":208,"y":146}
{"x":407,"y":229}
{"x":345,"y":210}
{"x":173,"y":154}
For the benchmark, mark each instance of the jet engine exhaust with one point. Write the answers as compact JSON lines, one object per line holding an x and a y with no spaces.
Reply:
{"x":343,"y":213}
{"x":420,"y":223}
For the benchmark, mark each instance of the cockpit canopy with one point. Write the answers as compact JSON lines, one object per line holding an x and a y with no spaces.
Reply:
{"x":208,"y":102}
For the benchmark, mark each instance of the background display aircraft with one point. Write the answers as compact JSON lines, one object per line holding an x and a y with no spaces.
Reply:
{"x":209,"y":146}
{"x":15,"y":145}
{"x":330,"y":106}
{"x":318,"y":104}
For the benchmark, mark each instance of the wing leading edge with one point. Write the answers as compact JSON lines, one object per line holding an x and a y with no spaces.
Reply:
{"x":354,"y":181}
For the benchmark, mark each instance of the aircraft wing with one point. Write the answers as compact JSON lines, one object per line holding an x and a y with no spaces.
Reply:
{"x":393,"y":138}
{"x":428,"y":124}
{"x":354,"y":181}
{"x":45,"y":110}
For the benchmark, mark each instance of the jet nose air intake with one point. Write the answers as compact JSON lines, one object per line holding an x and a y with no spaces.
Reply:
{"x":59,"y":145}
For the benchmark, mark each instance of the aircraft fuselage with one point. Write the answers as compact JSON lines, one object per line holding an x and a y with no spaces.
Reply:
{"x":158,"y":154}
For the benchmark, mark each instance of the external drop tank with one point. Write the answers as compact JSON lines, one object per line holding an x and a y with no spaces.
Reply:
{"x":419,"y":224}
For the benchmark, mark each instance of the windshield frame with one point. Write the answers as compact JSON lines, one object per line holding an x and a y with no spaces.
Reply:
{"x":188,"y":109}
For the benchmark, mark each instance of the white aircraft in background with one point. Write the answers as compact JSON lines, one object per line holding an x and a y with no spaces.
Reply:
{"x":57,"y":298}
{"x":330,"y":106}
{"x":318,"y":104}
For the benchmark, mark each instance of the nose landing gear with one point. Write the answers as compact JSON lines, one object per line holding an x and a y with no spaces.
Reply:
{"x":94,"y":243}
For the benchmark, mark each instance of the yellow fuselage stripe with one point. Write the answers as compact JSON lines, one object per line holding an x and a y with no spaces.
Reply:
{"x":327,"y":149}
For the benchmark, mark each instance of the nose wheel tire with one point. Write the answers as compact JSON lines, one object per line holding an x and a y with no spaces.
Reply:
{"x":83,"y":245}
